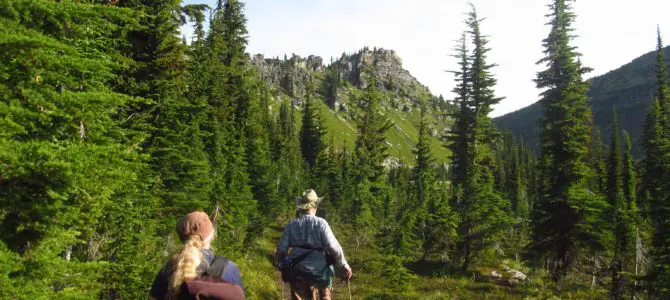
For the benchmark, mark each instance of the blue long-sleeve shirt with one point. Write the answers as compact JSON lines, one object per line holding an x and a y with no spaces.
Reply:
{"x":310,"y":230}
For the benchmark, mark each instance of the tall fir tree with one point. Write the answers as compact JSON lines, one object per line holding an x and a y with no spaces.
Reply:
{"x":567,"y":217}
{"x":620,"y":216}
{"x":434,"y":223}
{"x":656,"y":189}
{"x":312,"y":131}
{"x":483,"y":213}
{"x":230,"y":95}
{"x":259,"y":166}
{"x":369,"y":156}
{"x":598,"y":155}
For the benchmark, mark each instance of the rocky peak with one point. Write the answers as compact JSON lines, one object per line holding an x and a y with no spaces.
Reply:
{"x":293,"y":74}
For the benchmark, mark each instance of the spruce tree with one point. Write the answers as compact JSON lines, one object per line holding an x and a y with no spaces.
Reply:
{"x":567,"y":217}
{"x":483,"y":215}
{"x":656,"y":189}
{"x":598,"y":154}
{"x":312,"y":131}
{"x":369,"y":156}
{"x":620,"y":216}
{"x":259,"y":167}
{"x":230,"y":96}
{"x":70,"y":171}
{"x":434,"y":223}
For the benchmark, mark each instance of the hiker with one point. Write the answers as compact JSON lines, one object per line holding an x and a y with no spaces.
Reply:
{"x":314,"y":249}
{"x":194,"y":271}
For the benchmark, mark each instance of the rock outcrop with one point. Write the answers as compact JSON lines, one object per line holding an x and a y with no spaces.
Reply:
{"x":294,"y":74}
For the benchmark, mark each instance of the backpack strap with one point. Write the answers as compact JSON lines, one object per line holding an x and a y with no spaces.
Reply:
{"x":218,"y":267}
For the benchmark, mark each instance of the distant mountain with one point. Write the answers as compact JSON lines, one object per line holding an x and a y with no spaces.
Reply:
{"x":340,"y":86}
{"x":630,"y":88}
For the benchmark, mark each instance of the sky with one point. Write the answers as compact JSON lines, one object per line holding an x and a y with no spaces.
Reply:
{"x":610,"y":33}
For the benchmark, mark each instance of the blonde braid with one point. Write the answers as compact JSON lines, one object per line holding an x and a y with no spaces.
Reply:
{"x":185,"y":263}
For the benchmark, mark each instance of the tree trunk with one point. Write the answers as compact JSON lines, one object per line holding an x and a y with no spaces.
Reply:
{"x":466,"y":255}
{"x":68,"y":253}
{"x":595,"y":270}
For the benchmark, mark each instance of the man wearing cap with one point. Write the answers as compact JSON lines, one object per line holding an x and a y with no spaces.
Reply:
{"x":311,"y":239}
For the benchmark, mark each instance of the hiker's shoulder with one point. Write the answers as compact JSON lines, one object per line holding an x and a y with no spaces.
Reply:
{"x":321,"y":221}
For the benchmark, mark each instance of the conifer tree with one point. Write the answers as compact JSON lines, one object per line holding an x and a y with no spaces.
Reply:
{"x":369,"y":156}
{"x":230,"y":96}
{"x":656,"y":189}
{"x":434,"y":222}
{"x":597,"y":154}
{"x":620,"y":216}
{"x":259,"y":167}
{"x":69,"y":168}
{"x":460,"y":136}
{"x":481,"y":208}
{"x":290,"y":164}
{"x":567,"y":216}
{"x":312,"y":131}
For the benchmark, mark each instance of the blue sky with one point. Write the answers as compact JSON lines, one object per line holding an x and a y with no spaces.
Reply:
{"x":422,"y":32}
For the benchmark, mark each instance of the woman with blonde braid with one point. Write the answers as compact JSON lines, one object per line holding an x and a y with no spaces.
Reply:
{"x":192,"y":259}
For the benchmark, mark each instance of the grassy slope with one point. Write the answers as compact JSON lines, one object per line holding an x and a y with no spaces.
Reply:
{"x":402,"y":136}
{"x":432,"y":282}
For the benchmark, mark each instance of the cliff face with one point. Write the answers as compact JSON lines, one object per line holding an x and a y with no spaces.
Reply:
{"x":335,"y":81}
{"x":290,"y":74}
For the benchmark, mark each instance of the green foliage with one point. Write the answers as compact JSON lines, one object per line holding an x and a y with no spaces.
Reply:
{"x":68,"y":161}
{"x":312,"y":132}
{"x":111,"y":127}
{"x":484,"y":215}
{"x":369,"y":156}
{"x":655,"y":177}
{"x":567,"y":220}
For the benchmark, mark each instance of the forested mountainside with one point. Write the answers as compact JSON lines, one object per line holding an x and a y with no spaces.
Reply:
{"x":339,"y":85}
{"x":630,"y":88}
{"x":112,"y":128}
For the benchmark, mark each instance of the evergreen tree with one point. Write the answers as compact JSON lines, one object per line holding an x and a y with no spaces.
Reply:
{"x":568,"y":215}
{"x":434,"y":222}
{"x":369,"y":157}
{"x":598,"y":153}
{"x":230,"y":96}
{"x":70,"y":170}
{"x":312,"y":131}
{"x":259,"y":167}
{"x":459,"y":137}
{"x":290,"y":164}
{"x":656,"y":189}
{"x":620,"y":216}
{"x":481,"y":208}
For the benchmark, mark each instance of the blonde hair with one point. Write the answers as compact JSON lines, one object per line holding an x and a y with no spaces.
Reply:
{"x":185,"y":263}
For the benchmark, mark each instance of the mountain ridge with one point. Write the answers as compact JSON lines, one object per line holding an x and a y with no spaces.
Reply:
{"x":630,"y":88}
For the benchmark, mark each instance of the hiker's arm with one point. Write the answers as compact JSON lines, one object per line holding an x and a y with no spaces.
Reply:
{"x":282,"y":247}
{"x":333,"y":247}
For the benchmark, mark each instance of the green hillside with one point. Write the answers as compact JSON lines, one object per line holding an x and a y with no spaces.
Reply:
{"x":629,"y":88}
{"x":402,"y":93}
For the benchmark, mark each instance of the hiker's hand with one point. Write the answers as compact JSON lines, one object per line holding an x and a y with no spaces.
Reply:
{"x":347,"y":273}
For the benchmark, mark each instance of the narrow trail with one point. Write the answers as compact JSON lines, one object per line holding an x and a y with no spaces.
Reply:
{"x":340,"y":291}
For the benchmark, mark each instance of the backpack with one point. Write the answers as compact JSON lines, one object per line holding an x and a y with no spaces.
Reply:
{"x":287,"y":267}
{"x":210,"y":286}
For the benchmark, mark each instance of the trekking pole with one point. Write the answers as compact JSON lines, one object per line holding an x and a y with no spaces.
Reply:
{"x":349,"y":289}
